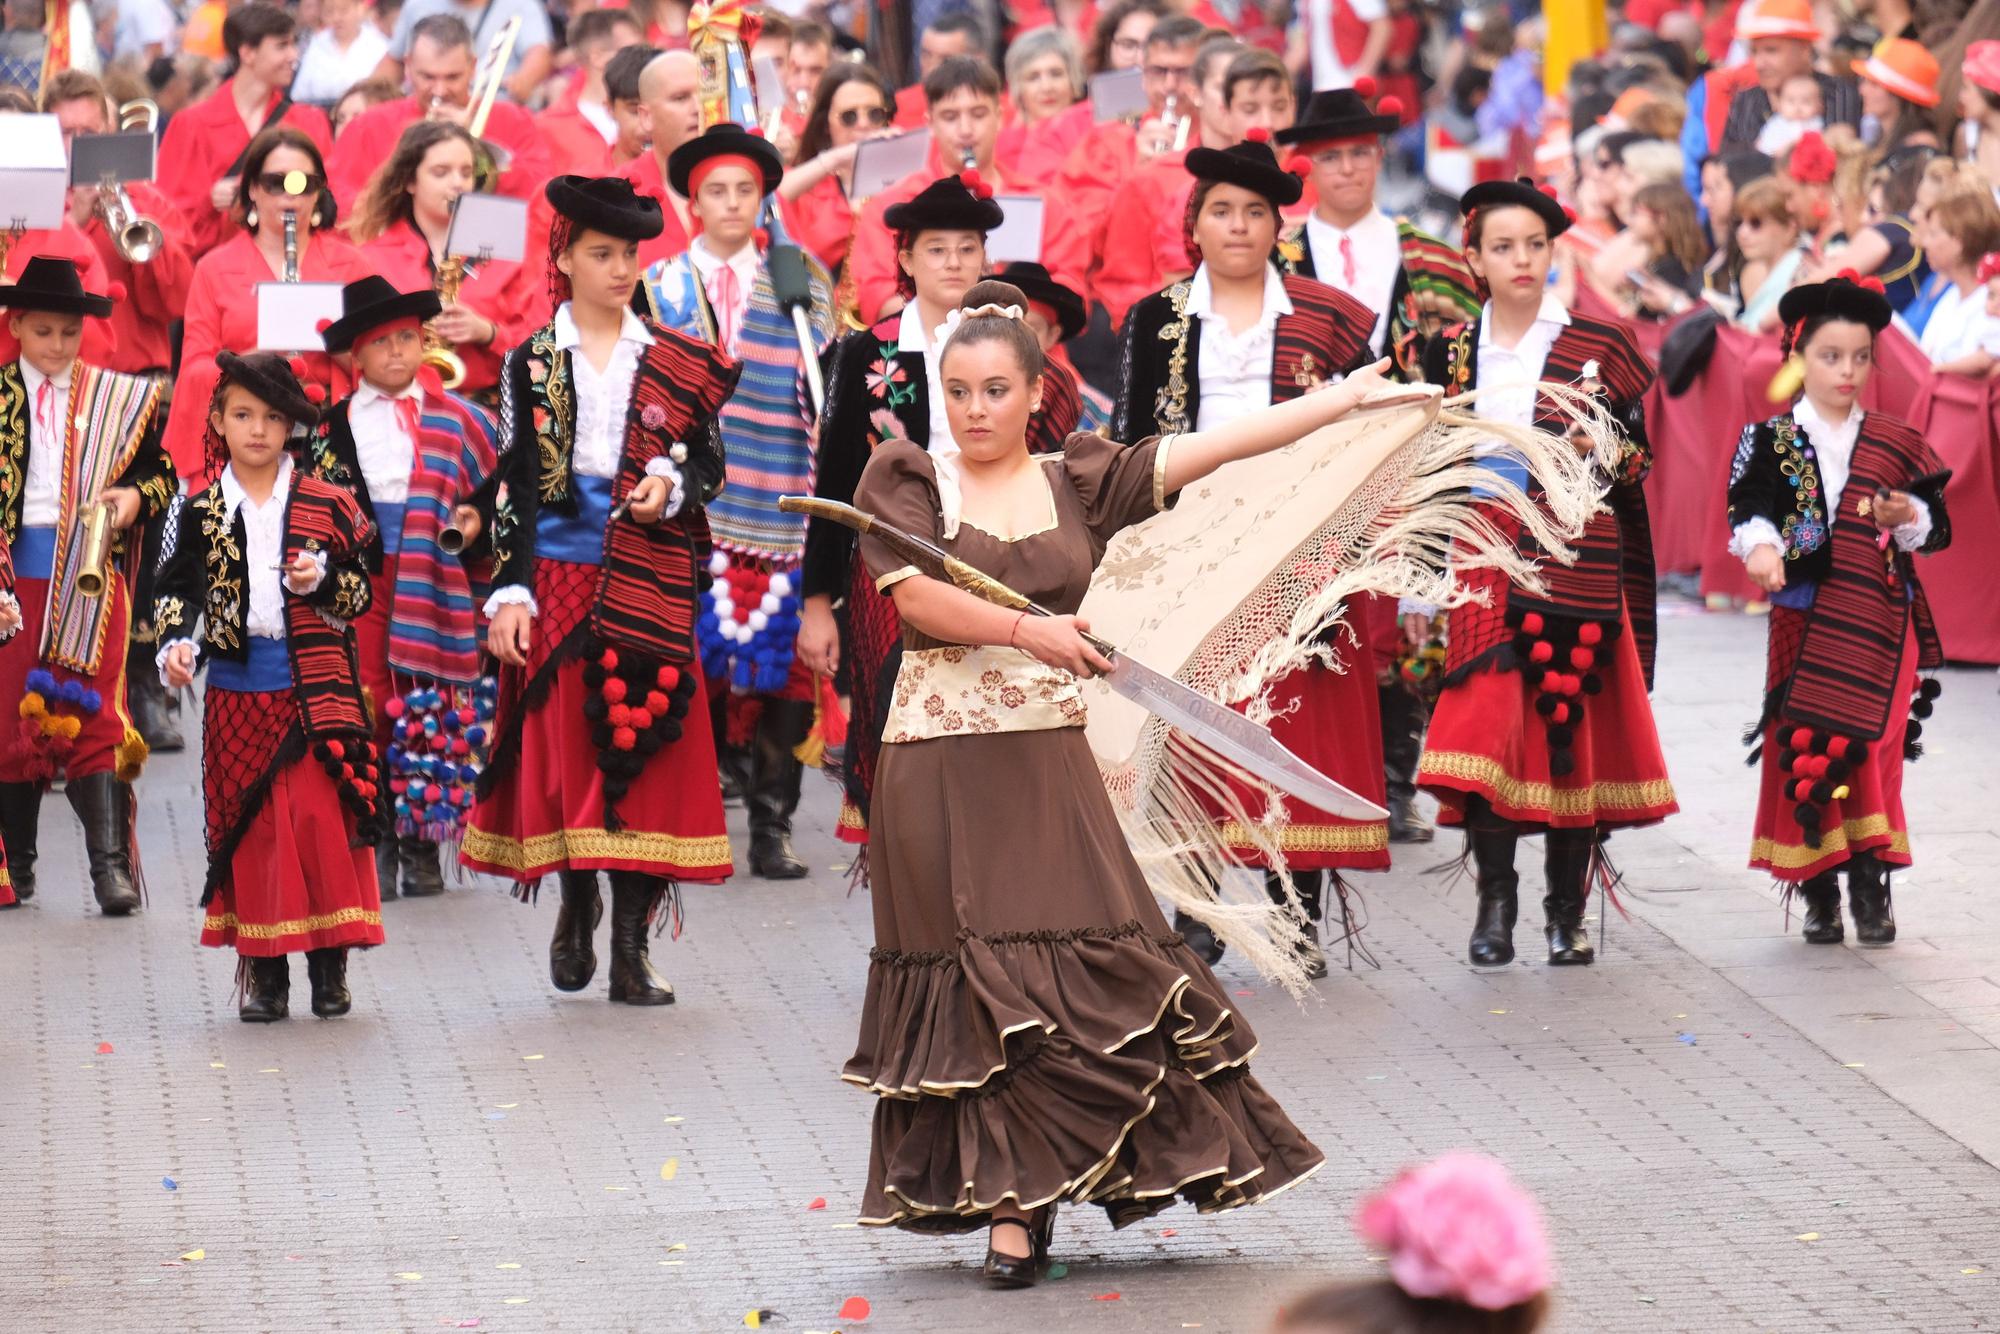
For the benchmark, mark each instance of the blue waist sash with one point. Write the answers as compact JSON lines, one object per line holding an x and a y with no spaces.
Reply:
{"x":35,"y":553}
{"x":389,"y":517}
{"x":578,"y":538}
{"x":267,"y":669}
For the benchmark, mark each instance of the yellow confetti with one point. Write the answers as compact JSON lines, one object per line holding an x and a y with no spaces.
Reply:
{"x":670,"y":1169}
{"x":1856,"y":1065}
{"x":536,"y":1057}
{"x":838,"y":1226}
{"x":1972,"y":1269}
{"x":754,"y":1319}
{"x":506,"y":1106}
{"x":269,"y":1070}
{"x":669,"y":1264}
{"x":677,"y":1246}
{"x":1680,"y":1016}
{"x":618,"y":1188}
{"x":217,"y":1065}
{"x":88,"y":1066}
{"x":514,"y":1301}
{"x":1496,"y":1012}
{"x":195,"y":1255}
{"x":675,"y":1120}
{"x":411,"y":1276}
{"x":508,"y":1264}
{"x":1807,"y":1236}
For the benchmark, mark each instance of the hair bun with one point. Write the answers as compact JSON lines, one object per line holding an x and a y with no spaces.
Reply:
{"x":993,"y":292}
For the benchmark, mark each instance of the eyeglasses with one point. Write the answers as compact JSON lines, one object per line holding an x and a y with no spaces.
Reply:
{"x":1128,"y":44}
{"x":855,"y":115}
{"x":1166,"y":73}
{"x":1754,"y":224}
{"x":290,"y":182}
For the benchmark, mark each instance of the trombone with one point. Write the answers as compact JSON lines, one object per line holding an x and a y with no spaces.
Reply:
{"x":489,"y":159}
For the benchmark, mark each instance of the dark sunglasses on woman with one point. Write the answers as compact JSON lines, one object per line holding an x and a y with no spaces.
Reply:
{"x":290,"y":182}
{"x":853,"y":116}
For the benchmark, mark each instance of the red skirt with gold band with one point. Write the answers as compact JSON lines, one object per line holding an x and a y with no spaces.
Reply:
{"x":1486,"y":739}
{"x":546,"y":812}
{"x":1868,"y":819}
{"x":296,"y":880}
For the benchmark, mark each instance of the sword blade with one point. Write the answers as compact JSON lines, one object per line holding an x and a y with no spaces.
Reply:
{"x":1236,"y":738}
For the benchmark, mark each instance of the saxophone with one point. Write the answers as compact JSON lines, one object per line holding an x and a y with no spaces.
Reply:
{"x":438,"y":354}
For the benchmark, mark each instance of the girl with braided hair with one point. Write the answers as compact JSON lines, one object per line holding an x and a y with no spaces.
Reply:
{"x":1828,"y":505}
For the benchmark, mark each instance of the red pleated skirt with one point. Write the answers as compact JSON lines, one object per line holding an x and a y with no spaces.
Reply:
{"x":547,"y":813}
{"x":1486,"y":739}
{"x":296,"y":881}
{"x":95,"y":750}
{"x":6,"y":882}
{"x":1331,"y":720}
{"x":1869,"y":819}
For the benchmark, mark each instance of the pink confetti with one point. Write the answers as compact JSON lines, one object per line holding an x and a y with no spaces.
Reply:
{"x":103,"y":1049}
{"x":1107,"y":1297}
{"x":819,"y":1202}
{"x":1169,"y":1232}
{"x":855,"y":1308}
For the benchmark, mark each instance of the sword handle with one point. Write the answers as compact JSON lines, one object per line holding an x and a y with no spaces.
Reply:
{"x":928,"y":558}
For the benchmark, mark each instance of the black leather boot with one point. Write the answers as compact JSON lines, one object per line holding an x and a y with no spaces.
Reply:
{"x":572,"y":957}
{"x":1492,"y":942}
{"x":104,"y":805}
{"x":1868,"y":899}
{"x":147,"y":700}
{"x":1200,"y":938}
{"x":20,"y":821}
{"x":633,"y":979}
{"x":775,"y":774}
{"x":1402,"y":747}
{"x":1309,"y":885}
{"x":1567,"y":862}
{"x":266,"y":991}
{"x":422,"y":879}
{"x":732,"y":763}
{"x":327,"y":970}
{"x":1822,"y":918}
{"x":388,"y":865}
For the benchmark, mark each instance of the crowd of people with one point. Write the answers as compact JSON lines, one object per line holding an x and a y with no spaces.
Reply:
{"x":497,"y":570}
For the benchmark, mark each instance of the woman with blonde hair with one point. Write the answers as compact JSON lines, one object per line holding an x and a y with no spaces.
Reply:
{"x":1045,"y":83}
{"x":1963,"y":224}
{"x":1768,"y":236}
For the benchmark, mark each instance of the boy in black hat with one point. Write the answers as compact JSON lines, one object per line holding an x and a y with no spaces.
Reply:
{"x":721,"y":291}
{"x":79,"y":453}
{"x":603,"y":758}
{"x":412,"y":455}
{"x":262,"y":575}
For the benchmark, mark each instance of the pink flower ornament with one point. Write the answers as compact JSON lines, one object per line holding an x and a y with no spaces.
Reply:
{"x":653,"y":416}
{"x":1459,"y":1229}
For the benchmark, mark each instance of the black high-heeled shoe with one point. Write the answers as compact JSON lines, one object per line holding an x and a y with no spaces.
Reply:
{"x":1011,"y":1271}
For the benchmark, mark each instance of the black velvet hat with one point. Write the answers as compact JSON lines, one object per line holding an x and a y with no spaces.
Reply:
{"x":946,"y":205}
{"x":271,"y":378}
{"x":371,"y":302}
{"x":1341,"y":113}
{"x":724,"y":139}
{"x":51,"y":284}
{"x":1845,"y":296}
{"x":1251,"y":165}
{"x":1037,"y":284}
{"x":1520,"y":193}
{"x":606,"y":204}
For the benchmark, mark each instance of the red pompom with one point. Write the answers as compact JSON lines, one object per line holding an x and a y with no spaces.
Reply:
{"x":1837,"y":747}
{"x":315,"y":393}
{"x":619,"y":715}
{"x":337,"y":749}
{"x":1818,"y":765}
{"x":640,"y":720}
{"x":1298,"y":164}
{"x":1365,"y":86}
{"x":1541,"y":651}
{"x":322,"y":325}
{"x":1582,"y":658}
{"x":668,"y":677}
{"x":1257,"y":134}
{"x":760,"y":238}
{"x":1590,"y":632}
{"x":973,"y":181}
{"x":1532,"y":623}
{"x":1559,"y":714}
{"x":1802,"y":739}
{"x":1552,"y":683}
{"x":460,"y":746}
{"x":624,"y":738}
{"x":614,"y":691}
{"x":755,"y":131}
{"x":1571,"y":684}
{"x":1390,"y":106}
{"x":656,"y":703}
{"x":1802,"y":789}
{"x":393,"y":706}
{"x":608,"y":660}
{"x":433,"y":793}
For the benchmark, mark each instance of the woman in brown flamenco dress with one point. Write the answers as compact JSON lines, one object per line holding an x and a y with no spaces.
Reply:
{"x":1034,"y":1030}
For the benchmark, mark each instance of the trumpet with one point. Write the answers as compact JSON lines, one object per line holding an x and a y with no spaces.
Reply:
{"x":291,"y":247}
{"x":451,"y":540}
{"x":137,"y":237}
{"x":141,"y":113}
{"x":93,"y":574}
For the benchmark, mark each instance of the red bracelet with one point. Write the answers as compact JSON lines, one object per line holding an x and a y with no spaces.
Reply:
{"x":1015,"y":629}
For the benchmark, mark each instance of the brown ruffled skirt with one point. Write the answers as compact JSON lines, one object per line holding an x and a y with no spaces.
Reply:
{"x":1032,"y":1028}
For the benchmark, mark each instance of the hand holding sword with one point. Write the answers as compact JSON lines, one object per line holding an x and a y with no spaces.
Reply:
{"x":1220,"y":729}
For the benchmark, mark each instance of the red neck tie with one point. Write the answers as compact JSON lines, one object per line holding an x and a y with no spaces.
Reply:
{"x":45,"y":398}
{"x":724,"y":295}
{"x":1347,"y":258}
{"x":406,"y":413}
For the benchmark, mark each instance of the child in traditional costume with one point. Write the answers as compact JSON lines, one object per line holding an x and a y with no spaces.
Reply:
{"x":412,"y":455}
{"x":79,"y":455}
{"x":1828,"y":505}
{"x":1543,"y":725}
{"x":262,"y":576}
{"x":1193,"y":361}
{"x":603,"y":758}
{"x":720,"y":290}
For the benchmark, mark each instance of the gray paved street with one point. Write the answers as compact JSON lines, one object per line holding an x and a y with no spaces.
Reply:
{"x":1729,"y":1130}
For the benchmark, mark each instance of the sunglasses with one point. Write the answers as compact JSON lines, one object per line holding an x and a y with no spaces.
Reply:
{"x":290,"y":182}
{"x":855,"y":115}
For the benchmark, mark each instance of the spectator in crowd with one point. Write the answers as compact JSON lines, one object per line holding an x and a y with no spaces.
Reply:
{"x":1979,"y":103}
{"x":1899,"y":91}
{"x":530,"y":63}
{"x":951,"y":34}
{"x":1722,"y":177}
{"x":623,"y":74}
{"x":806,"y":63}
{"x":341,"y":54}
{"x":668,"y":96}
{"x":442,"y":58}
{"x":1960,"y":227}
{"x":1339,"y":42}
{"x":581,"y":132}
{"x":852,"y":103}
{"x":1799,"y":107}
{"x":363,"y":95}
{"x":1767,"y":236}
{"x":1781,"y":34}
{"x":1810,"y":171}
{"x":1045,"y":86}
{"x":1885,"y":245}
{"x":203,"y":36}
{"x":1118,"y":39}
{"x":146,"y":30}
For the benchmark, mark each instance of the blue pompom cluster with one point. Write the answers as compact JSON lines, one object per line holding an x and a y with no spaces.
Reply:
{"x":749,"y":625}
{"x":72,"y":692}
{"x":438,"y":740}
